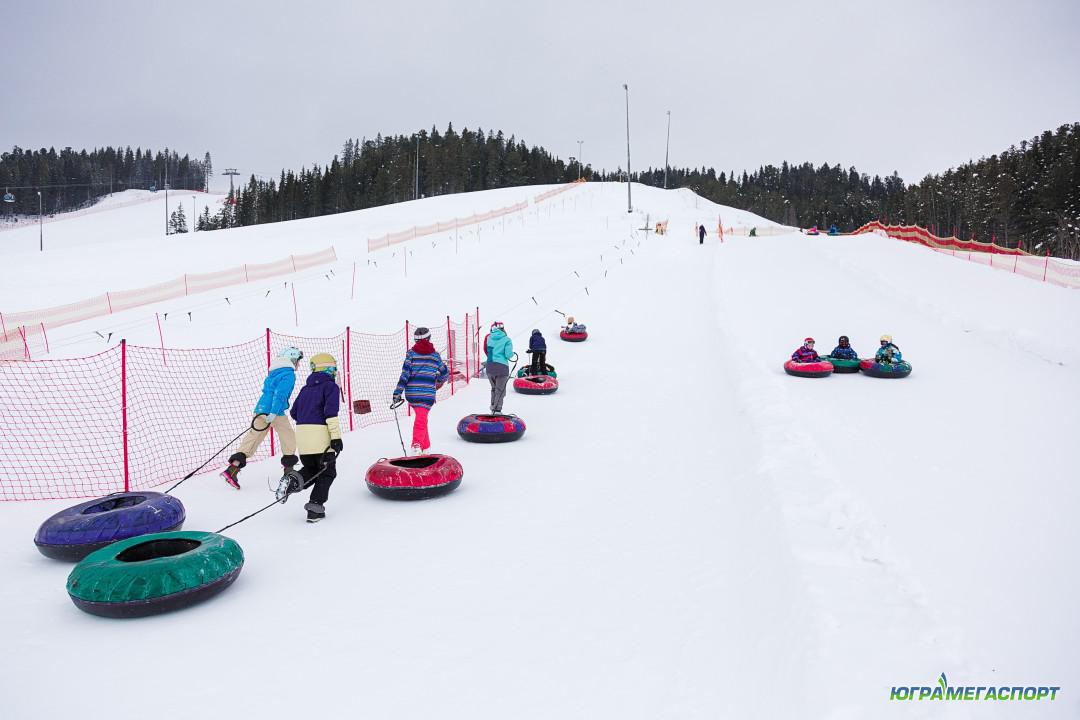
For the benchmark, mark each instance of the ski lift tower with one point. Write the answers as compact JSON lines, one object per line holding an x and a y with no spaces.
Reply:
{"x":230,"y":172}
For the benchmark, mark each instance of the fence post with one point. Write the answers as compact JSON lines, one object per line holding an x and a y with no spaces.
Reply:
{"x":108,"y":301}
{"x":1016,"y":258}
{"x":246,"y":278}
{"x":4,"y":326}
{"x":161,"y":337}
{"x":468,"y":367}
{"x":408,"y":411}
{"x":296,"y":314}
{"x":1046,"y":265}
{"x":450,"y":352}
{"x":268,"y":370}
{"x":352,"y":295}
{"x":479,"y":349}
{"x":25,"y":345}
{"x":46,"y":336}
{"x":185,"y":282}
{"x":123,"y":409}
{"x":348,"y":369}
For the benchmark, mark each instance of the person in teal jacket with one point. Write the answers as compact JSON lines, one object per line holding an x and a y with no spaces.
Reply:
{"x":500,"y":350}
{"x":888,"y":352}
{"x":273,"y":402}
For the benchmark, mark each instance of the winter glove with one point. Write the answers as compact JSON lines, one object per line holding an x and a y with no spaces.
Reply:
{"x":396,"y":401}
{"x":336,"y":445}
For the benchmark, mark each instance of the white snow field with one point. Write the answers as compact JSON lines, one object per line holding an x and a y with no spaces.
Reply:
{"x":683,"y":532}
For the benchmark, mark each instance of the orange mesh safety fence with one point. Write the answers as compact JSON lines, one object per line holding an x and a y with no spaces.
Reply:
{"x":384,"y":241}
{"x":1044,"y":268}
{"x":137,"y":417}
{"x":19,"y":328}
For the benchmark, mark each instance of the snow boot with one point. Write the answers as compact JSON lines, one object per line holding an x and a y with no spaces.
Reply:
{"x":291,"y":481}
{"x":315,"y":512}
{"x":417,"y":450}
{"x":232,"y":473}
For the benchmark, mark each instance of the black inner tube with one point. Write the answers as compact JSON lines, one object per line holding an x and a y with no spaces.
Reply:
{"x":155,"y":549}
{"x":415,"y":462}
{"x":114,"y":503}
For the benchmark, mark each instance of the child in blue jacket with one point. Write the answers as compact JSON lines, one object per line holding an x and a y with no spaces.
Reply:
{"x":538,"y":350}
{"x":844,"y":351}
{"x":273,"y":402}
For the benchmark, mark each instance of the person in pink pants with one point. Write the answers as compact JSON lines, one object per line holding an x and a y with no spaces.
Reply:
{"x":422,"y":373}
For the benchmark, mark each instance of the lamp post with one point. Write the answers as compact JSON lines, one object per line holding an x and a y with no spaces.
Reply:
{"x":667,"y":147}
{"x":192,"y":213}
{"x":580,"y":158}
{"x":629,"y":204}
{"x":41,"y":228}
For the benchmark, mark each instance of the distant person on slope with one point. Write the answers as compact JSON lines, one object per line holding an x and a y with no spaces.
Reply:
{"x":806,"y":353}
{"x":499,"y":351}
{"x":701,"y":234}
{"x":422,"y":373}
{"x":538,"y":350}
{"x":573,"y":326}
{"x":888,"y":352}
{"x":273,"y":402}
{"x":844,"y":351}
{"x":318,"y":433}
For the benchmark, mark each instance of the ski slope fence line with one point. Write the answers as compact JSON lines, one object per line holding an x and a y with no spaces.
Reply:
{"x":1014,"y":260}
{"x":32,"y":220}
{"x":133,"y":418}
{"x":17,"y":328}
{"x":759,"y":231}
{"x":384,"y":241}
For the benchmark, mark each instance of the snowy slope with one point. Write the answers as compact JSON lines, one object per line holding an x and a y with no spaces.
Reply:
{"x":684,"y":531}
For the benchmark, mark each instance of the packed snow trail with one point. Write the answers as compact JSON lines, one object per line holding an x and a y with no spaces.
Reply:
{"x":922,"y":508}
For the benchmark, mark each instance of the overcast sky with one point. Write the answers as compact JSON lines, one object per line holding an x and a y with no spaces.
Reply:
{"x":910,"y":86}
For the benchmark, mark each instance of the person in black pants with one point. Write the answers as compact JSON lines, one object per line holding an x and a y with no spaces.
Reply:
{"x":318,"y":434}
{"x":701,"y":234}
{"x":538,"y":350}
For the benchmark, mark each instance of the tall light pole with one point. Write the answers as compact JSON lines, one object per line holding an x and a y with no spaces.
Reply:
{"x":192,"y":213}
{"x":166,"y":194}
{"x":667,"y":147}
{"x":41,"y":229}
{"x":416,"y":177}
{"x":629,"y":204}
{"x":580,"y":158}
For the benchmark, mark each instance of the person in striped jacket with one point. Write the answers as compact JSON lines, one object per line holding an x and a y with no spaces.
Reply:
{"x":422,"y":373}
{"x":806,"y":352}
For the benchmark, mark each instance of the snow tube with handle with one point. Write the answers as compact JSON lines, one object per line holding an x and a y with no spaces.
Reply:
{"x":885,"y":370}
{"x":491,"y":428}
{"x":573,"y":337}
{"x":527,"y":371}
{"x":536,"y":385}
{"x":79,"y":530}
{"x":843,"y":365}
{"x":414,"y":478}
{"x":821,"y":368}
{"x":153,"y":574}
